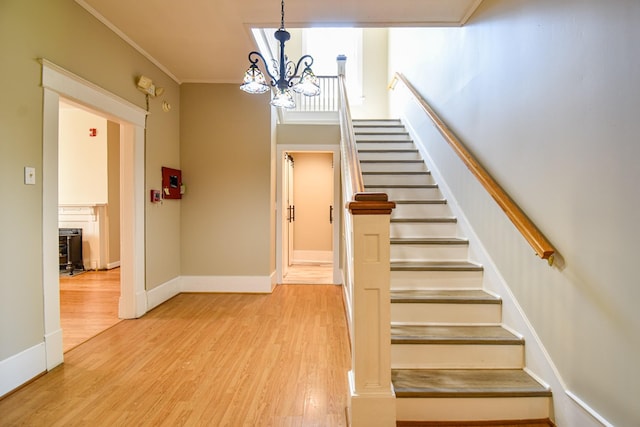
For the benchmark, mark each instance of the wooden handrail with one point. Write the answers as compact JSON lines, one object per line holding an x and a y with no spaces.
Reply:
{"x":531,"y":233}
{"x":350,"y":153}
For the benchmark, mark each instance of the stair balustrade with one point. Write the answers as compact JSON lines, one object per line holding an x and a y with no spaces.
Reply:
{"x":366,"y":267}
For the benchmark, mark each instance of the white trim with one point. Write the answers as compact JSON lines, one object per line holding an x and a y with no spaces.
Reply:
{"x":300,"y":256}
{"x":76,"y":88}
{"x":162,"y":293}
{"x":537,"y":358}
{"x":126,"y":39}
{"x":58,"y":82}
{"x":227,"y":284}
{"x":589,"y":410}
{"x":20,"y":368}
{"x":337,"y":202}
{"x":112,"y":265}
{"x":54,"y":349}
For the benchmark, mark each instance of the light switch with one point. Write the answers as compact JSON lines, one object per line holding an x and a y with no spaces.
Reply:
{"x":29,"y":175}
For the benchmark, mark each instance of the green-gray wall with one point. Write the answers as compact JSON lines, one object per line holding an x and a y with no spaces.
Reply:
{"x":64,"y":33}
{"x":227,"y":211}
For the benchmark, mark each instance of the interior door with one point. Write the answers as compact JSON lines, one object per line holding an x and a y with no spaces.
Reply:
{"x":291,"y":210}
{"x":287,"y":213}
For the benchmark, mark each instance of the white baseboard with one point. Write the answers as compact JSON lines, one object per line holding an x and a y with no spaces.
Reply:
{"x":240,"y":284}
{"x":163,"y":292}
{"x":22,"y":367}
{"x":235,"y":284}
{"x":312,"y":256}
{"x":112,"y":265}
{"x":54,"y":349}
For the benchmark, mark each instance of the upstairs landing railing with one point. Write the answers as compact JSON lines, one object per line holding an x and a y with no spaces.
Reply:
{"x":527,"y":228}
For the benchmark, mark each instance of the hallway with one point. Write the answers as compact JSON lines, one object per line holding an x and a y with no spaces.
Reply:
{"x":204,"y":359}
{"x":309,"y":274}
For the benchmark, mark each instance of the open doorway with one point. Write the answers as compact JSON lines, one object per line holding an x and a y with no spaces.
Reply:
{"x":59,"y":83}
{"x":308,"y":224}
{"x":88,"y":222}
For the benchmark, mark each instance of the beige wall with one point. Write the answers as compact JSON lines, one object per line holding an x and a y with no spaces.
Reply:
{"x":62,"y":32}
{"x":226,"y":152}
{"x":546,"y":94}
{"x":296,"y":134}
{"x":375,"y":77}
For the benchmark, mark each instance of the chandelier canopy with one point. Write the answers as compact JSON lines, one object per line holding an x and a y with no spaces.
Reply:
{"x":287,"y":78}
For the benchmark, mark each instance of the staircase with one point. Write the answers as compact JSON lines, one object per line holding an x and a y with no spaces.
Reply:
{"x":452,"y":360}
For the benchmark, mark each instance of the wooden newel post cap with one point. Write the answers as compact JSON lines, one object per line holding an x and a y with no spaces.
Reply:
{"x":371,"y":204}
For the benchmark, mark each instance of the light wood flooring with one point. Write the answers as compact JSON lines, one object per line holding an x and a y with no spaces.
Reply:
{"x":203,"y":360}
{"x":309,"y":274}
{"x":88,"y":305}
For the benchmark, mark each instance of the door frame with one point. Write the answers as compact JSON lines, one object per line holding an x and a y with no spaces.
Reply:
{"x":60,"y":83}
{"x":281,"y":215}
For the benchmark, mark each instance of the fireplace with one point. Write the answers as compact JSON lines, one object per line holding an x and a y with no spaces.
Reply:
{"x":70,"y":249}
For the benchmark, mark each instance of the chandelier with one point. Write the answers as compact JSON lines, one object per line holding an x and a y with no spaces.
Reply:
{"x":287,"y":74}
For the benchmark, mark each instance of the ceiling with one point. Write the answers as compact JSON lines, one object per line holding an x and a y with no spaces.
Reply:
{"x":207,"y":41}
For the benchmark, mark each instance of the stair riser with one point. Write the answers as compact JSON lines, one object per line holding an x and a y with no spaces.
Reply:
{"x":456,"y":356}
{"x":412,"y":155}
{"x":418,"y":313}
{"x":393,"y":167}
{"x":427,"y":252}
{"x":408,"y":193}
{"x":426,"y":210}
{"x":436,"y":279}
{"x":424,"y":229}
{"x":377,"y":123}
{"x":371,"y":180}
{"x":472,"y":409}
{"x":391,"y":128}
{"x":386,"y":145}
{"x":386,"y":136}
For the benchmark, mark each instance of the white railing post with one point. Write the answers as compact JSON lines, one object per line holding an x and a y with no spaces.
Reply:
{"x":342,"y":65}
{"x":371,"y":397}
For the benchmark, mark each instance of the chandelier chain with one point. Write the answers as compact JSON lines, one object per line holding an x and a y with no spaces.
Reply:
{"x":282,"y":15}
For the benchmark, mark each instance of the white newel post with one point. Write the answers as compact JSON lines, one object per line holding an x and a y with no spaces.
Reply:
{"x":372,"y":400}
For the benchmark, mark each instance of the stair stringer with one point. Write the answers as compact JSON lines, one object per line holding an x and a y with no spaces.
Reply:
{"x":566,"y":408}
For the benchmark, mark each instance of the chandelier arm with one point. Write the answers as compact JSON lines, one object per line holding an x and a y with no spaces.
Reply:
{"x":264,"y":61}
{"x":308,"y":63}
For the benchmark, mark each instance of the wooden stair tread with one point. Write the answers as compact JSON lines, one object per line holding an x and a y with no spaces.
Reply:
{"x":466,"y":383}
{"x":391,"y":161}
{"x":422,"y":202}
{"x":453,"y":334}
{"x":434,"y":266}
{"x":401,"y":186}
{"x":471,"y":296}
{"x":365,"y":132}
{"x":393,"y":173}
{"x":428,"y":241}
{"x":421,"y":220}
{"x":388,"y":150}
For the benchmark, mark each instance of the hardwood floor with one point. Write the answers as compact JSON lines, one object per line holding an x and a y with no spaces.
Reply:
{"x":88,"y":305}
{"x":314,"y":274}
{"x":203,"y":360}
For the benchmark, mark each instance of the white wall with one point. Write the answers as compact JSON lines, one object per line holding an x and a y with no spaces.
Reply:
{"x":82,"y":158}
{"x":547,"y":95}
